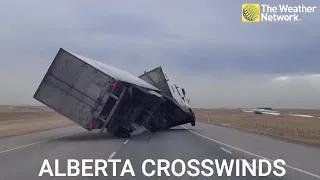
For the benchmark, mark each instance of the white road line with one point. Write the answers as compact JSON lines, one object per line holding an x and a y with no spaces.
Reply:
{"x":247,"y":152}
{"x":225,"y":150}
{"x":126,"y":141}
{"x":20,"y":147}
{"x":111,"y":155}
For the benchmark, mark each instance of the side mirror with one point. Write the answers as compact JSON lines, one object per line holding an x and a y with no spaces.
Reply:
{"x":183,"y":92}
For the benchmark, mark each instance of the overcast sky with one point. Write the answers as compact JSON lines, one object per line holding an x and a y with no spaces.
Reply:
{"x":202,"y":44}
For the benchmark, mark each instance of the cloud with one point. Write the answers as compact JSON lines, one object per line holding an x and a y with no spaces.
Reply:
{"x":203,"y":44}
{"x":281,"y":78}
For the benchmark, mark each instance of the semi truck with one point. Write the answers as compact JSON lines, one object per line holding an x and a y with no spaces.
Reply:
{"x":98,"y":96}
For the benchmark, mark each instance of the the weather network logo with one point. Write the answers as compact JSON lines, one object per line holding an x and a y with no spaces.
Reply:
{"x":250,"y":12}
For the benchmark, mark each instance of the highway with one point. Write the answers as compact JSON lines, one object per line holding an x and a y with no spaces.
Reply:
{"x":21,"y":157}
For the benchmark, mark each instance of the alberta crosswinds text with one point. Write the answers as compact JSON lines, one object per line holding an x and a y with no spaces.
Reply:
{"x":284,"y":12}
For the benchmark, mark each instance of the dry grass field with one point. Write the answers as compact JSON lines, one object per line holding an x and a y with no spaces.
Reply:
{"x":21,"y":120}
{"x":285,"y":126}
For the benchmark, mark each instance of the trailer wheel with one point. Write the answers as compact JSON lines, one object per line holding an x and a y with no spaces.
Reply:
{"x":122,"y":133}
{"x":153,"y":129}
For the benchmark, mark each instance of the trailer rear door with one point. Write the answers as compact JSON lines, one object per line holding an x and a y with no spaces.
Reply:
{"x":74,"y":88}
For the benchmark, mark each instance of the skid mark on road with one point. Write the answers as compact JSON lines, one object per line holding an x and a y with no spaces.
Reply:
{"x":250,"y":153}
{"x":20,"y":147}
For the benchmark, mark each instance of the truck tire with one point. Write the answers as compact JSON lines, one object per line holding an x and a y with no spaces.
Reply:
{"x":193,"y":122}
{"x":153,"y":128}
{"x":122,"y":133}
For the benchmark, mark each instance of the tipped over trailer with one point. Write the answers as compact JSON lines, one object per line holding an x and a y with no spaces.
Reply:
{"x":99,"y":96}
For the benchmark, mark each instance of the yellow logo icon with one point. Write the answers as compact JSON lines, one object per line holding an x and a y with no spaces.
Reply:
{"x":250,"y":12}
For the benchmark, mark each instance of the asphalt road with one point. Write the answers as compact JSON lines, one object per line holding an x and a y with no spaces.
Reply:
{"x":21,"y":157}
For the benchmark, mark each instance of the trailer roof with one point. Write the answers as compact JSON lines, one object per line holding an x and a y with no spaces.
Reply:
{"x":115,"y":72}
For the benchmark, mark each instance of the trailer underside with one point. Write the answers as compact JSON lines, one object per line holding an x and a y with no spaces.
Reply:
{"x":139,"y":106}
